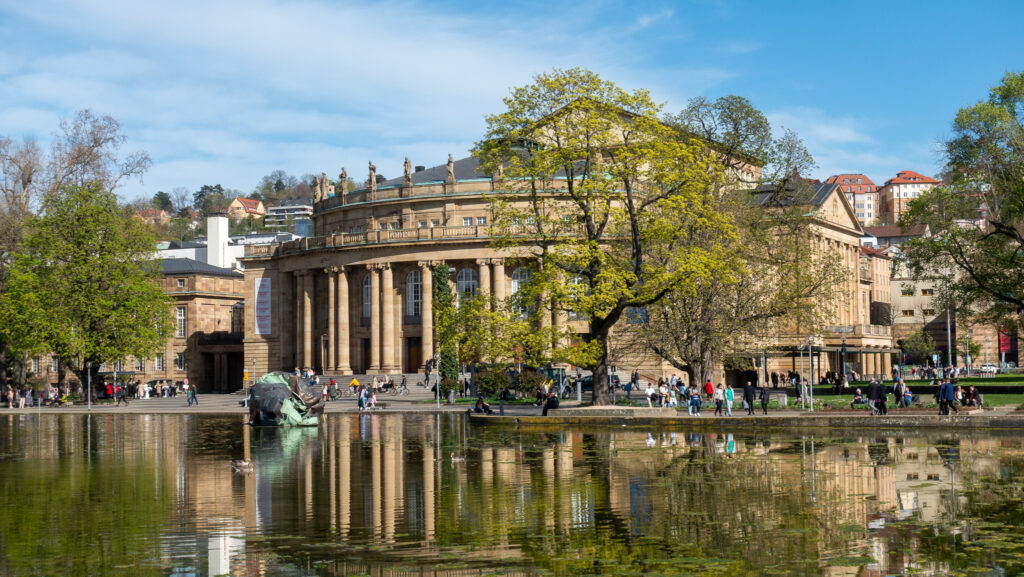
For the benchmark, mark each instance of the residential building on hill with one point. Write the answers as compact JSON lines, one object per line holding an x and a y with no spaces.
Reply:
{"x":895,"y":195}
{"x":281,"y":213}
{"x":862,"y":194}
{"x":892,"y":235}
{"x":242,"y":207}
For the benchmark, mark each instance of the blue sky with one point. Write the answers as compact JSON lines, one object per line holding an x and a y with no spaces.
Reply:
{"x":226,"y":91}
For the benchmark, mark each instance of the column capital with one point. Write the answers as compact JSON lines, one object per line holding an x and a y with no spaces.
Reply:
{"x":483,"y":261}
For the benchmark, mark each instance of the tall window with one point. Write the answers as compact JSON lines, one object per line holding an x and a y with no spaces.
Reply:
{"x":366,"y":295}
{"x":181,"y":322}
{"x":579,"y":289}
{"x":413,"y":293}
{"x":35,"y":366}
{"x":55,"y":364}
{"x":520,"y":277}
{"x":179,"y":363}
{"x":466,"y":283}
{"x":159,"y":362}
{"x":140,"y":366}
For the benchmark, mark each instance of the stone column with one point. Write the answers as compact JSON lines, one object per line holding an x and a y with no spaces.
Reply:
{"x":307,"y":319}
{"x":387,"y":321}
{"x":300,"y":330}
{"x":484,"y":266}
{"x":342,"y":349}
{"x":499,"y":279}
{"x":886,"y":364}
{"x":427,"y":310}
{"x":331,"y":362}
{"x":374,"y":319}
{"x":872,"y":364}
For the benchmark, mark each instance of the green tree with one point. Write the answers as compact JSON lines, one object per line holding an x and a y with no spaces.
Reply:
{"x":86,"y":286}
{"x":977,"y":220}
{"x":209,"y":199}
{"x":162,"y":201}
{"x":87,"y":148}
{"x":918,"y":346}
{"x":605,"y":198}
{"x":446,"y":325}
{"x":962,"y":349}
{"x":775,"y":282}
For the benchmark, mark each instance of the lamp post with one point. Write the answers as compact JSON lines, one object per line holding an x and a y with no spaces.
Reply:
{"x":810,"y":363}
{"x":437,"y":379}
{"x":968,"y":361}
{"x":88,"y":381}
{"x":842,"y":361}
{"x":800,"y":381}
{"x":899,"y":343}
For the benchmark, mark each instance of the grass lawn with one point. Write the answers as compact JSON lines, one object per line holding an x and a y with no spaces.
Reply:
{"x":990,"y":400}
{"x":996,"y":380}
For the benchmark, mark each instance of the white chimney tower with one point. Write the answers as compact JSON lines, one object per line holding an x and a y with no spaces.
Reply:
{"x":217,"y":240}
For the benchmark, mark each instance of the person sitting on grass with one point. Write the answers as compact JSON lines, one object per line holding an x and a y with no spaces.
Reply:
{"x":858,"y":399}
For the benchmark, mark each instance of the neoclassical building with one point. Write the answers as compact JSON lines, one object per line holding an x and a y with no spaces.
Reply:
{"x":356,"y":297}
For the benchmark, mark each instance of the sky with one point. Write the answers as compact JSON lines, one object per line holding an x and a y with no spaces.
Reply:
{"x":227,"y":91}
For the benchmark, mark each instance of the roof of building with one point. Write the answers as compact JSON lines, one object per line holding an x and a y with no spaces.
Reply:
{"x":816,"y":192}
{"x":835,"y":179}
{"x":909,"y":177}
{"x":465,"y":169}
{"x":189,"y":266}
{"x":251,"y":205}
{"x":152,"y":213}
{"x":894,"y":230}
{"x":871,"y":251}
{"x":289,"y":202}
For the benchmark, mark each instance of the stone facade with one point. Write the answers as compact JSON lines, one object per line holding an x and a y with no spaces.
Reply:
{"x":356,"y":297}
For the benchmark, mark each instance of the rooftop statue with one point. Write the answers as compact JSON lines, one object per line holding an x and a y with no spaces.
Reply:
{"x":343,"y":181}
{"x":316,"y":189}
{"x":408,"y":171}
{"x":451,"y":168}
{"x":281,"y":399}
{"x":373,"y":176}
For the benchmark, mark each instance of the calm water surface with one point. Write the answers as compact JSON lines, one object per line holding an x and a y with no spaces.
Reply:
{"x":379,"y":495}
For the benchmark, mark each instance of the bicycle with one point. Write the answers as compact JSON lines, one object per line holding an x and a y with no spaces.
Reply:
{"x":398,"y":390}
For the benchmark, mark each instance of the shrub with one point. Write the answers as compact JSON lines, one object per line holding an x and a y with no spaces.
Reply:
{"x":490,"y":383}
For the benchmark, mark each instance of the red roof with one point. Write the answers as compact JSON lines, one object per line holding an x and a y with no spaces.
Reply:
{"x":838,"y":179}
{"x":909,"y":177}
{"x":249,"y":204}
{"x":871,"y":251}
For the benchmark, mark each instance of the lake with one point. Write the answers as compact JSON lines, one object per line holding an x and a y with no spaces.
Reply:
{"x":381,"y":495}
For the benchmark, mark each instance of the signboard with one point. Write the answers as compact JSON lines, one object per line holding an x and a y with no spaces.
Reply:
{"x":263,"y":307}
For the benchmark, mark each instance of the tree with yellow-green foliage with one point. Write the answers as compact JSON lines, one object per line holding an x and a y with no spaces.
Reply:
{"x":613,"y":209}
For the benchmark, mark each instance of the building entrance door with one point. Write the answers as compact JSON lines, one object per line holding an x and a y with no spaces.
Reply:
{"x":366,"y":355}
{"x":413,"y":354}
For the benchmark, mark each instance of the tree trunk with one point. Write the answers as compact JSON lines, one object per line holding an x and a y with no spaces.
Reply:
{"x":602,"y":390}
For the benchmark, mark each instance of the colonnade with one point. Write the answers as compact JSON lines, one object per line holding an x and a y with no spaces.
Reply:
{"x":385,"y":313}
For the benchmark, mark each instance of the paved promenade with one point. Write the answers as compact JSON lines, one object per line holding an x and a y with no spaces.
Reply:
{"x":570,"y":413}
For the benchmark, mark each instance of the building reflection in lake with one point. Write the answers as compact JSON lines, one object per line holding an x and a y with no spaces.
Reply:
{"x":381,"y":494}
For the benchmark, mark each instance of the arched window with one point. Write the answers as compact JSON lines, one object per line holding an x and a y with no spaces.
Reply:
{"x":466,"y":283}
{"x":519,"y":278}
{"x":366,"y":295}
{"x":413,"y":294}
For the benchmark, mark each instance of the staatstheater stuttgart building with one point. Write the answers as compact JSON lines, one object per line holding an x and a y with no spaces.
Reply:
{"x":355,"y":297}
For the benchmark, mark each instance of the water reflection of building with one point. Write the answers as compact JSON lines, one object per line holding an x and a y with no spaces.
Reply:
{"x":524,"y":500}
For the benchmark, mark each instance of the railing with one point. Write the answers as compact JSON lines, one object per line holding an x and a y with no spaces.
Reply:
{"x":865,"y":275}
{"x":858,"y":330}
{"x":369,"y":237}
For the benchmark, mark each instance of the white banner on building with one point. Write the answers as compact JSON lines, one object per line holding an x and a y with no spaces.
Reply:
{"x":263,"y":307}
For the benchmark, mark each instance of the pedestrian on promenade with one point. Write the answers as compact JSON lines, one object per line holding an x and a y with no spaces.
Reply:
{"x":719,"y":398}
{"x":748,"y":398}
{"x":629,"y":389}
{"x":663,"y":394}
{"x":729,"y":397}
{"x":673,"y":393}
{"x":898,"y":390}
{"x":649,"y":393}
{"x":695,"y":399}
{"x":765,"y":397}
{"x":195,"y":394}
{"x":709,"y":390}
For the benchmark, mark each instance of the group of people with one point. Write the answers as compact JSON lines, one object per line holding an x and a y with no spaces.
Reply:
{"x":671,"y":392}
{"x":948,"y":396}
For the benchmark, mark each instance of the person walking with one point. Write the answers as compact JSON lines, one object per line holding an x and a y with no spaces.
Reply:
{"x":945,"y":393}
{"x":695,"y":400}
{"x":765,"y":397}
{"x":709,"y":390}
{"x":719,"y":398}
{"x":728,"y":399}
{"x":748,"y":398}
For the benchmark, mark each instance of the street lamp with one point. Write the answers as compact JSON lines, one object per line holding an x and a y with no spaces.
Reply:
{"x":842,"y":362}
{"x":810,"y":363}
{"x":968,"y":361}
{"x":88,"y":380}
{"x":800,"y":381}
{"x":899,"y":343}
